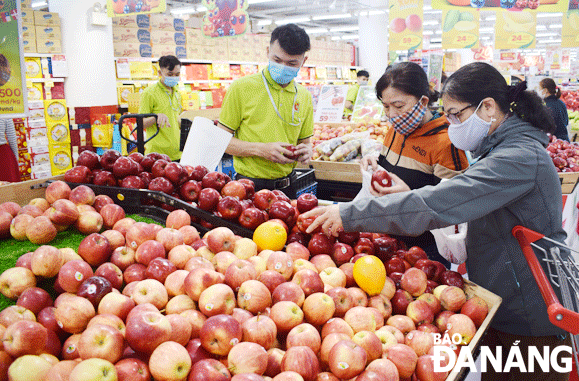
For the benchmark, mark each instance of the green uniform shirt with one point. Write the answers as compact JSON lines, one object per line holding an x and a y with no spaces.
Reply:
{"x":351,"y":96}
{"x":248,"y":110}
{"x":157,"y":99}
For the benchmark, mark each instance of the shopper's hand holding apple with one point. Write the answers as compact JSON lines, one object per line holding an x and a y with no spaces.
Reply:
{"x":303,"y":152}
{"x":397,"y":186}
{"x":328,"y":218}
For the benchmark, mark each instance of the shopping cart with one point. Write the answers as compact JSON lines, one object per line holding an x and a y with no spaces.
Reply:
{"x":563,"y":273}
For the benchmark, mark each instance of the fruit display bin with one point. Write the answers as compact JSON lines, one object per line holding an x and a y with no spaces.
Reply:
{"x":138,"y":201}
{"x":494,"y":301}
{"x":568,"y":181}
{"x":334,"y":171}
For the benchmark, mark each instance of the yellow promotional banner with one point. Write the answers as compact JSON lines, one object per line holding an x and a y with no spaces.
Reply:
{"x":117,"y":8}
{"x":405,"y":25}
{"x":515,"y":30}
{"x":460,"y":29}
{"x":141,"y":69}
{"x":488,"y":5}
{"x":570,"y":29}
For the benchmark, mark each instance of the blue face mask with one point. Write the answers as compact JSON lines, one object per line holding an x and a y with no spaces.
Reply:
{"x":171,"y":81}
{"x":282,"y":74}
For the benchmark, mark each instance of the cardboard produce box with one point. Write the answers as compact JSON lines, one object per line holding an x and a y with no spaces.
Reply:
{"x":49,"y":46}
{"x":46,"y":18}
{"x":132,"y":50}
{"x":194,"y":36}
{"x":27,"y":17}
{"x":28,"y":31}
{"x":195,"y":52}
{"x":173,"y":50}
{"x":29,"y":45}
{"x":132,"y":21}
{"x":131,"y":35}
{"x":164,"y":22}
{"x":45,"y":32}
{"x":163,"y":37}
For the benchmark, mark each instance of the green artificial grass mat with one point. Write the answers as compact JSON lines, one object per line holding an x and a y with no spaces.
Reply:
{"x":11,"y":250}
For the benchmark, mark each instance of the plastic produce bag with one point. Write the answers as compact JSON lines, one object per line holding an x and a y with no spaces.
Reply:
{"x":571,"y":222}
{"x":371,"y":147}
{"x":451,"y":245}
{"x":367,"y":183}
{"x":346,"y":151}
{"x":328,"y":147}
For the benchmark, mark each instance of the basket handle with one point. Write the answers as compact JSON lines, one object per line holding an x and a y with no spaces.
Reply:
{"x":558,"y":315}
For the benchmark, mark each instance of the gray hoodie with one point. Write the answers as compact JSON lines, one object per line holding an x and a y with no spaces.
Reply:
{"x":513,"y":183}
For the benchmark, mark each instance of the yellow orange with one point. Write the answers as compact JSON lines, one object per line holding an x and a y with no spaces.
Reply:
{"x":370,"y":274}
{"x":270,"y":236}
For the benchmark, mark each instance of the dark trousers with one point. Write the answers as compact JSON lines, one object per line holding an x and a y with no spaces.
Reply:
{"x":495,"y":338}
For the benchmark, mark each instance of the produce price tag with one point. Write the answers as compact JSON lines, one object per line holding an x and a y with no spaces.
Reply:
{"x":515,"y":30}
{"x":59,"y":66}
{"x":141,"y":69}
{"x":460,"y":29}
{"x":330,"y":105}
{"x":570,"y":29}
{"x":221,"y":70}
{"x":405,"y":32}
{"x":123,"y":68}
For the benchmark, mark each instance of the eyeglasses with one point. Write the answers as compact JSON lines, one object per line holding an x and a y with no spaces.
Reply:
{"x":454,"y":117}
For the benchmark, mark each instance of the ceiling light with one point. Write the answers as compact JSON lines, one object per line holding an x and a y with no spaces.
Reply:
{"x":486,"y":38}
{"x":202,"y":9}
{"x":541,"y":27}
{"x":554,"y":41}
{"x":294,"y":20}
{"x":428,"y":32}
{"x":331,"y":17}
{"x":333,"y":5}
{"x":264,"y":22}
{"x":548,"y":15}
{"x":259,"y":1}
{"x":39,"y":4}
{"x":546,"y":34}
{"x":350,"y":37}
{"x":436,"y":40}
{"x":431,"y":22}
{"x":555,"y":26}
{"x":335,"y":38}
{"x":437,"y":32}
{"x":486,"y":30}
{"x":377,"y":12}
{"x":345,"y":29}
{"x":316,"y":30}
{"x":491,"y":18}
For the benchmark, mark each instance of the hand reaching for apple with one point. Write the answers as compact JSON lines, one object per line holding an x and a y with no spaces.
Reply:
{"x":277,"y":152}
{"x":369,"y":161}
{"x":303,"y":152}
{"x":397,"y":186}
{"x":328,"y":218}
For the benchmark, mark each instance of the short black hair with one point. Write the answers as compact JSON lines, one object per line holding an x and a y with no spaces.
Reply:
{"x":169,"y":62}
{"x":292,"y":39}
{"x":363,"y":73}
{"x":408,"y":77}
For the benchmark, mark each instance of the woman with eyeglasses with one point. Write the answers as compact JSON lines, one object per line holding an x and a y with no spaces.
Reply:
{"x":513,"y":183}
{"x":417,"y":150}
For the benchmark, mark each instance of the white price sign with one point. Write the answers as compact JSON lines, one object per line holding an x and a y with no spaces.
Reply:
{"x":331,"y":104}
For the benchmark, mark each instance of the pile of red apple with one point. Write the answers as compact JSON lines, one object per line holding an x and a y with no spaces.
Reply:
{"x":565,"y":155}
{"x":213,"y":192}
{"x":571,"y":99}
{"x":141,"y":301}
{"x":61,"y":208}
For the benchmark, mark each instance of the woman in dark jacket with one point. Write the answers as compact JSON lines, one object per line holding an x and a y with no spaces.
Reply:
{"x":549,"y":90}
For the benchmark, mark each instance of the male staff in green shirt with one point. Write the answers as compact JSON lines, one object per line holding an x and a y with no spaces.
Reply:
{"x":164,"y":100}
{"x":270,"y":115}
{"x":361,"y":80}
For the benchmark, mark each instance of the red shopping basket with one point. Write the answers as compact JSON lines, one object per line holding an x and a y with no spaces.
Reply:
{"x":562,"y":272}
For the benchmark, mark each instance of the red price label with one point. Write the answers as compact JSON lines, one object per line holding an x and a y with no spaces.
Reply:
{"x":10,"y":93}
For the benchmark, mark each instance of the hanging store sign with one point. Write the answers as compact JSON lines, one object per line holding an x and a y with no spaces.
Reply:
{"x":405,"y":31}
{"x":537,"y":5}
{"x":117,"y":8}
{"x":515,"y":30}
{"x":225,"y":18}
{"x":460,"y":29}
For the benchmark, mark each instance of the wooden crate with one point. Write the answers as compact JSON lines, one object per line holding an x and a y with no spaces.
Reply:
{"x":494,"y":301}
{"x":568,"y":181}
{"x":21,"y":193}
{"x":210,"y":113}
{"x":332,"y":171}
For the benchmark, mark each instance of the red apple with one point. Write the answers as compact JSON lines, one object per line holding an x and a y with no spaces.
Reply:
{"x":247,"y":357}
{"x":125,"y":166}
{"x":286,"y":315}
{"x":260,"y":330}
{"x":404,"y":358}
{"x":251,"y":218}
{"x":209,"y":370}
{"x":234,"y":189}
{"x":105,"y":178}
{"x":306,"y":202}
{"x":34,"y":299}
{"x":95,"y":249}
{"x":161,"y":184}
{"x":176,"y":173}
{"x":382,"y":178}
{"x":132,"y":369}
{"x":253,"y":296}
{"x":88,"y":159}
{"x":229,"y":208}
{"x":364,"y":246}
{"x":145,"y":331}
{"x":304,"y":335}
{"x":289,"y":291}
{"x":94,"y":289}
{"x":220,"y":333}
{"x":263,"y":199}
{"x":24,"y":338}
{"x":309,"y":280}
{"x":476,"y":309}
{"x":302,"y":360}
{"x":452,"y":278}
{"x":40,"y":230}
{"x":108,"y":159}
{"x":320,"y":244}
{"x":452,"y":298}
{"x":347,"y":359}
{"x":361,"y":319}
{"x":282,"y":210}
{"x":78,"y":174}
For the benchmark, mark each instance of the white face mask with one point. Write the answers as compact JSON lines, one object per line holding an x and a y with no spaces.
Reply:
{"x":363,"y":83}
{"x":469,"y":134}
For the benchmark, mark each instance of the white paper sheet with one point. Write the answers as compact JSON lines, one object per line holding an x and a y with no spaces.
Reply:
{"x":205,"y":145}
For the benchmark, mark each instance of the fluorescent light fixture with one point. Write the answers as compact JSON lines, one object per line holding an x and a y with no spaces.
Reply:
{"x":486,"y":30}
{"x":264,"y":22}
{"x":294,"y":20}
{"x":554,"y":41}
{"x":438,"y":32}
{"x":541,"y":27}
{"x":548,"y":15}
{"x":555,"y":26}
{"x":183,"y":11}
{"x":335,"y":38}
{"x":345,"y":29}
{"x":548,"y":34}
{"x":436,"y":40}
{"x":427,"y":8}
{"x":259,"y":1}
{"x":435,"y":45}
{"x":331,"y":17}
{"x":377,"y":12}
{"x":202,"y":9}
{"x":39,"y":4}
{"x":428,"y":32}
{"x":350,"y":37}
{"x":486,"y":38}
{"x":491,"y":18}
{"x":431,"y":22}
{"x":316,"y":30}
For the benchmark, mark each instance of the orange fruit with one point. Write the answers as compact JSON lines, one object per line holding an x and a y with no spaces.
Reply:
{"x":370,"y":274}
{"x":270,"y":236}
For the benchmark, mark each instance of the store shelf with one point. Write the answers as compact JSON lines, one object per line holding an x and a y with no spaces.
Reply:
{"x":43,"y":80}
{"x":189,"y":61}
{"x":42,"y":55}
